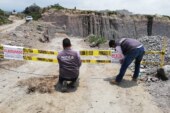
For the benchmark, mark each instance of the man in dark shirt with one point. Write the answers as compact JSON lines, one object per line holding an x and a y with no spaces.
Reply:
{"x":69,"y":64}
{"x":131,"y":49}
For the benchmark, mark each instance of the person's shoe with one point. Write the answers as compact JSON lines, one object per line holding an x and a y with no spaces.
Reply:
{"x":114,"y":82}
{"x":64,"y":86}
{"x":72,"y":84}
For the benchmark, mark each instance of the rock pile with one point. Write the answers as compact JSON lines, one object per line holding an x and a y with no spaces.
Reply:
{"x":152,"y":43}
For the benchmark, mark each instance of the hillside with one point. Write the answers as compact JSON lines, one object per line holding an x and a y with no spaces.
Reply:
{"x":4,"y":18}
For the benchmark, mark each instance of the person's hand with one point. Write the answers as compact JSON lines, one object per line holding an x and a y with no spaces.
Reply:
{"x":121,"y":61}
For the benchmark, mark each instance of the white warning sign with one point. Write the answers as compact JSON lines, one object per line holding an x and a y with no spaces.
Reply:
{"x":116,"y":57}
{"x":13,"y":52}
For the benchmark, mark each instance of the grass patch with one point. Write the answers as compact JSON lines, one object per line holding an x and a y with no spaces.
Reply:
{"x":4,"y":18}
{"x":94,"y":39}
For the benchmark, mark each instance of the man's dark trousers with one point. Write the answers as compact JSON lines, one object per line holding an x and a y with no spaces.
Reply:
{"x":136,"y":54}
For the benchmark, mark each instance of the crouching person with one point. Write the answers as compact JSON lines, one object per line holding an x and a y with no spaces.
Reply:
{"x":69,"y":64}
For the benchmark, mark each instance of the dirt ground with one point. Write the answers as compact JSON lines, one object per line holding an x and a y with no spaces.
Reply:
{"x":10,"y":27}
{"x":94,"y":94}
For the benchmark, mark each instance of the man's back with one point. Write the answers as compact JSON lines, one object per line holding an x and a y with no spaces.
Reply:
{"x":129,"y":44}
{"x":69,"y":63}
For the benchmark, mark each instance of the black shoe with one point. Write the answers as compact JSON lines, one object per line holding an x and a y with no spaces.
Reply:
{"x":72,"y":84}
{"x":64,"y":86}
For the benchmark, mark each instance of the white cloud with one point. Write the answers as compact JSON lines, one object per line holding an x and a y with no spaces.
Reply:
{"x":136,"y":6}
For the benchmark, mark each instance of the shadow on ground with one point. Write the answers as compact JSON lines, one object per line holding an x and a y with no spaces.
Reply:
{"x":124,"y":83}
{"x":69,"y":89}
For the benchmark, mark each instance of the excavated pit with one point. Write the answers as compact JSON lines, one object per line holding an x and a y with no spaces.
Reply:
{"x":39,"y":84}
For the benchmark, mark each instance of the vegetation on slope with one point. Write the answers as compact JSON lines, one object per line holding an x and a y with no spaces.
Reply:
{"x":4,"y":18}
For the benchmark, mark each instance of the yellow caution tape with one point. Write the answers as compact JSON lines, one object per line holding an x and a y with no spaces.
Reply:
{"x":82,"y":52}
{"x":83,"y":61}
{"x":36,"y":51}
{"x":154,"y":52}
{"x":1,"y":56}
{"x":163,"y":52}
{"x":56,"y":61}
{"x":40,"y":59}
{"x":95,"y":52}
{"x":1,"y":48}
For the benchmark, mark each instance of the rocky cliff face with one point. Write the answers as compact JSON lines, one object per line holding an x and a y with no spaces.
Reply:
{"x":110,"y":26}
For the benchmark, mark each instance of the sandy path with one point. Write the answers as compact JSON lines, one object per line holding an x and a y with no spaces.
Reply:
{"x":94,"y":94}
{"x":9,"y":27}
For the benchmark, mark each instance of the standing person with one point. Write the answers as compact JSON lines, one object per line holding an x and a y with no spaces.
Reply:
{"x":69,"y":64}
{"x":131,"y":49}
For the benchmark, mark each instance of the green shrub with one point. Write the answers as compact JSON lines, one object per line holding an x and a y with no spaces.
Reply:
{"x":4,"y":18}
{"x":36,"y":15}
{"x":111,"y":13}
{"x":166,"y":16}
{"x":1,"y":12}
{"x":96,"y":39}
{"x":57,"y":6}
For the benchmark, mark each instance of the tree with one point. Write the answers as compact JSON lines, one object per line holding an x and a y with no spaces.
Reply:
{"x":57,"y":6}
{"x":1,"y":12}
{"x":33,"y":10}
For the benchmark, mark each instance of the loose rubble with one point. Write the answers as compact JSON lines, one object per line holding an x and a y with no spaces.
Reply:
{"x":153,"y":43}
{"x":157,"y":88}
{"x":31,"y":33}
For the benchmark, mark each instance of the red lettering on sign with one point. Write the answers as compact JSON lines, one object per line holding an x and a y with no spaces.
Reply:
{"x":119,"y":56}
{"x":13,"y":51}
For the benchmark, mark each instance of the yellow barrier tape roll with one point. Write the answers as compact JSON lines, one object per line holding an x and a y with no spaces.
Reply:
{"x":40,"y":59}
{"x":36,"y":51}
{"x":95,"y":52}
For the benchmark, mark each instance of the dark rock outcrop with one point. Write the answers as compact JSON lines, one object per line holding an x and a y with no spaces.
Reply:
{"x":110,"y":26}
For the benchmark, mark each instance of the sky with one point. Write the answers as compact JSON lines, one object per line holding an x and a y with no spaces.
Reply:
{"x":160,"y":7}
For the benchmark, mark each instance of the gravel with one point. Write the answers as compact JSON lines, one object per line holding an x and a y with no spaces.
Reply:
{"x":160,"y":90}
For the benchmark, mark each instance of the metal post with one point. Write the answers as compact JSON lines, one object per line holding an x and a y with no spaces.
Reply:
{"x":163,"y":52}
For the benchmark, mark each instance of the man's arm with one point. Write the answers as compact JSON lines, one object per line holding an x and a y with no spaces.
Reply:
{"x":119,"y":50}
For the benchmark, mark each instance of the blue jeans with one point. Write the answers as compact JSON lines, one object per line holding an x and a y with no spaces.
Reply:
{"x":136,"y":54}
